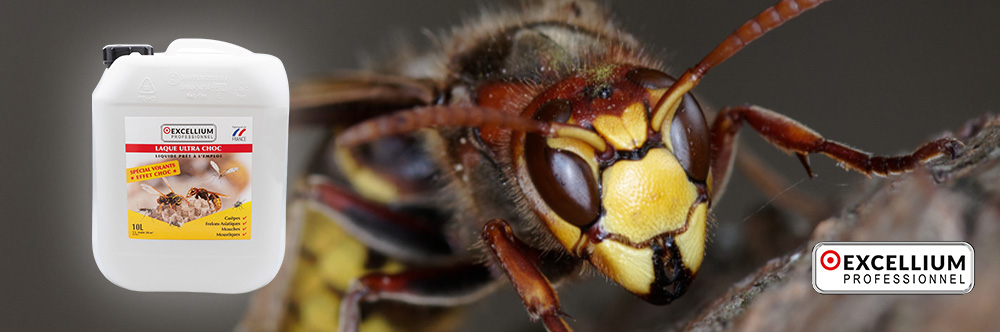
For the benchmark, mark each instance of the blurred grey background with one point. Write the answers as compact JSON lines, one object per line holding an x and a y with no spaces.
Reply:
{"x":883,"y":76}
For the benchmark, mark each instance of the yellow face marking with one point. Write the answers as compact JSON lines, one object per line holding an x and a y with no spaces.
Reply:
{"x":625,"y":132}
{"x":648,"y":197}
{"x":577,"y":147}
{"x":368,"y":183}
{"x":692,"y":242}
{"x":628,"y":266}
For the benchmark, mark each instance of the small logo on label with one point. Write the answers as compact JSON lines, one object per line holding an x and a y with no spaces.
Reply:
{"x":238,"y":133}
{"x":893,"y":267}
{"x":830,"y":260}
{"x":188,"y":132}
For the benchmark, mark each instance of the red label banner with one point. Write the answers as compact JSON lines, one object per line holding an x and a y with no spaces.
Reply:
{"x":189,"y":148}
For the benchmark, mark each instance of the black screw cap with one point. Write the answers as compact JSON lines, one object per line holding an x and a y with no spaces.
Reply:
{"x":112,"y":52}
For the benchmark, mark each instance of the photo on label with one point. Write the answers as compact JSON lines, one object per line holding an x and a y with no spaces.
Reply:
{"x":211,"y":185}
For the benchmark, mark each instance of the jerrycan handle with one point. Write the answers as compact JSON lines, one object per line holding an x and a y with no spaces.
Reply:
{"x":205,"y":46}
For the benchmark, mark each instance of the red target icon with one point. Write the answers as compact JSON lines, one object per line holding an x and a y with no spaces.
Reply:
{"x":830,"y":260}
{"x":166,"y":130}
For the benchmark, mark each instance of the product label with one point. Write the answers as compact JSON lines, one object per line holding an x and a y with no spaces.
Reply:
{"x":188,"y":178}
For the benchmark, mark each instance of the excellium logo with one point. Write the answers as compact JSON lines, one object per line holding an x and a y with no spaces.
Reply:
{"x":187,"y":132}
{"x":893,"y":267}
